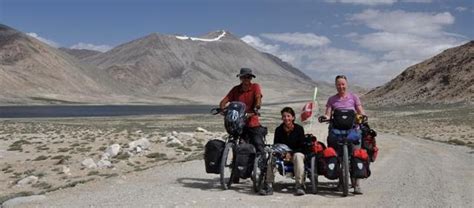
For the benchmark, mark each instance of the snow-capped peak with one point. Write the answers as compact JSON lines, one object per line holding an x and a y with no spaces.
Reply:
{"x":202,"y":39}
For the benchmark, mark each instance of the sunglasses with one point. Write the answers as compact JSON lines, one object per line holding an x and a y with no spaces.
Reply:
{"x":246,"y":77}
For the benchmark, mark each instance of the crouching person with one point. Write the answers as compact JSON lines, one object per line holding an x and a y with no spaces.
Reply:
{"x":291,"y":135}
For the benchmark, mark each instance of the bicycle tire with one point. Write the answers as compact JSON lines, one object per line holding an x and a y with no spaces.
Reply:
{"x":227,"y":166}
{"x":345,"y":170}
{"x":314,"y":175}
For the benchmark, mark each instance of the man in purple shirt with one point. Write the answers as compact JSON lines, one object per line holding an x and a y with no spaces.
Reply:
{"x":343,"y":100}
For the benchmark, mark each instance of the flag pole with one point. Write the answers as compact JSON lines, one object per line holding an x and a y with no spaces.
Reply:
{"x":314,"y":104}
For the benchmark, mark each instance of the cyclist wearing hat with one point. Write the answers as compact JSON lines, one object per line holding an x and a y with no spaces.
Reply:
{"x":250,"y":94}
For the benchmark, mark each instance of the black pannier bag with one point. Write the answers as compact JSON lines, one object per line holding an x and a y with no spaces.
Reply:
{"x":360,"y":164}
{"x":213,"y":154}
{"x":332,"y":168}
{"x":331,"y":164}
{"x":244,"y":158}
{"x":343,"y":119}
{"x":359,"y":168}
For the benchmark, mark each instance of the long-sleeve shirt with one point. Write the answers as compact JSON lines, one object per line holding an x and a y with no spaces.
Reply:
{"x":295,"y":139}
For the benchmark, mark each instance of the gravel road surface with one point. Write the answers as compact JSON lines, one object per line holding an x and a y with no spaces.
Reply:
{"x":409,"y":172}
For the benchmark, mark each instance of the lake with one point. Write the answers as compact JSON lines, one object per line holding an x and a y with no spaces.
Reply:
{"x":98,"y":111}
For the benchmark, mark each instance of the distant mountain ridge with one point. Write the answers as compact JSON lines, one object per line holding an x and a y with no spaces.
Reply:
{"x":197,"y":68}
{"x":80,"y":53}
{"x":158,"y":69}
{"x":445,"y":78}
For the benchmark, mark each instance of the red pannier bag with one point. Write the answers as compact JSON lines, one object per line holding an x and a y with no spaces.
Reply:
{"x":360,"y":164}
{"x":370,"y":145}
{"x":329,"y":165}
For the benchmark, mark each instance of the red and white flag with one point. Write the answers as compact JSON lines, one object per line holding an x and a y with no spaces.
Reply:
{"x":307,"y":111}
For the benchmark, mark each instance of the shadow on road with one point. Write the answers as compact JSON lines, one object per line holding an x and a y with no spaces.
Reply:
{"x":245,"y":186}
{"x":329,"y":190}
{"x":325,"y":189}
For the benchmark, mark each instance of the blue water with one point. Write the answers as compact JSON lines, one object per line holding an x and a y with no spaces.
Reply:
{"x":98,"y":111}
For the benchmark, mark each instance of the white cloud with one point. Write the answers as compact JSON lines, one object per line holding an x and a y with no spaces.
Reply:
{"x":406,"y":46}
{"x":302,"y":39}
{"x":406,"y":35}
{"x":88,"y":46}
{"x":461,"y":9}
{"x":258,"y":44}
{"x":404,"y":22}
{"x":400,"y":39}
{"x":44,"y":40}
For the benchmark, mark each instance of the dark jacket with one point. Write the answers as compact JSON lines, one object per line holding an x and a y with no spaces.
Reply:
{"x":295,"y":140}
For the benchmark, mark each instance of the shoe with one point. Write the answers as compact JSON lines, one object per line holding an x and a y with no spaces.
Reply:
{"x":357,"y":190}
{"x":266,"y":190}
{"x":300,"y":192}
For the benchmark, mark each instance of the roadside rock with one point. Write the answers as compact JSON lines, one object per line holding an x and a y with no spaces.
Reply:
{"x":113,"y":150}
{"x":27,"y":180}
{"x":163,"y":139}
{"x":200,"y":129}
{"x":104,"y":164}
{"x":173,"y":142}
{"x":21,"y":200}
{"x":66,"y":170}
{"x":143,"y":143}
{"x":89,"y":163}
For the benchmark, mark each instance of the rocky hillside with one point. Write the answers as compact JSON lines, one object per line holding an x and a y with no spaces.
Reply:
{"x":198,"y":69}
{"x":445,"y":78}
{"x":33,"y":72}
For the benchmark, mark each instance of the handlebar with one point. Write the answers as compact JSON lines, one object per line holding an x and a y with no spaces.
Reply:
{"x":323,"y":119}
{"x":216,"y":111}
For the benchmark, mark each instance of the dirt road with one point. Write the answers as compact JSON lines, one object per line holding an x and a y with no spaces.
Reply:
{"x":408,"y":173}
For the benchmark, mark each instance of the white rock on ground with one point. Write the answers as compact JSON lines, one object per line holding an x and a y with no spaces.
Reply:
{"x":104,"y":164}
{"x":27,"y":180}
{"x":105,"y":156}
{"x":89,"y":163}
{"x":200,"y":129}
{"x":139,"y":149}
{"x":173,"y":141}
{"x":15,"y":202}
{"x":174,"y":133}
{"x":113,"y":150}
{"x":163,"y":139}
{"x":66,"y":170}
{"x":143,"y":143}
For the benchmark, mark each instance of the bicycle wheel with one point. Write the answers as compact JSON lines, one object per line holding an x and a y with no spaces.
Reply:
{"x":227,"y":166}
{"x":345,"y":171}
{"x":314,"y":175}
{"x":257,"y":174}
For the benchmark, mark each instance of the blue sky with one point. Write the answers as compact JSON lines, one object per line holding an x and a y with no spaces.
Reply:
{"x":371,"y":41}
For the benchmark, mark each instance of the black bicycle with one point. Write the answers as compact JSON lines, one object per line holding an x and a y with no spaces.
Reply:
{"x":345,"y":144}
{"x":234,"y":122}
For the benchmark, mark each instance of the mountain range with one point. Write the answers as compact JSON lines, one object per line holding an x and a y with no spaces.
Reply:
{"x":177,"y":69}
{"x":155,"y":69}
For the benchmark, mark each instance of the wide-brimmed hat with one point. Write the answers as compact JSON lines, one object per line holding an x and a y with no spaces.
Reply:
{"x":245,"y":72}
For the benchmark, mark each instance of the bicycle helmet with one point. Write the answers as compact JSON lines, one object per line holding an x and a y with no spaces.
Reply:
{"x":281,"y":149}
{"x":234,"y":120}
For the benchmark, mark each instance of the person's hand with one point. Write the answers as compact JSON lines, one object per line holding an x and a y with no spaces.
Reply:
{"x":221,"y":111}
{"x":287,"y":157}
{"x":322,"y":118}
